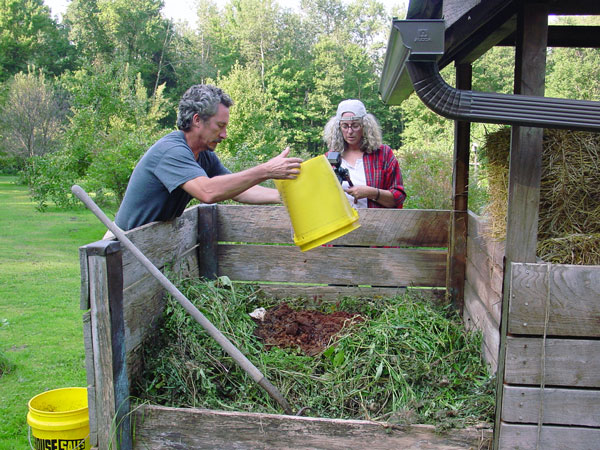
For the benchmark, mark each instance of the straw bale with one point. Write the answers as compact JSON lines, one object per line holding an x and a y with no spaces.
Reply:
{"x":569,"y":210}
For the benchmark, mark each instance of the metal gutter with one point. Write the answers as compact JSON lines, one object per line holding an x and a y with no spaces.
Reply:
{"x":410,"y":56}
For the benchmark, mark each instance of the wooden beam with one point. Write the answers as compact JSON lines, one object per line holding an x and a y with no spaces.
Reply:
{"x":208,"y":264}
{"x":525,"y":168}
{"x":107,"y":335}
{"x":566,"y":36}
{"x":457,"y":249}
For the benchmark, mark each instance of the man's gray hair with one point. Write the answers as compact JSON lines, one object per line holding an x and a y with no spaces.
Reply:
{"x":201,"y":99}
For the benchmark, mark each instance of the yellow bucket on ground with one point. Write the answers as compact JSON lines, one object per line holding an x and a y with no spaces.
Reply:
{"x":59,"y":419}
{"x":317,"y":205}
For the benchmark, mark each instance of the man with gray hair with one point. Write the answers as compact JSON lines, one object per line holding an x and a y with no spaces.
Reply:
{"x":182,"y":165}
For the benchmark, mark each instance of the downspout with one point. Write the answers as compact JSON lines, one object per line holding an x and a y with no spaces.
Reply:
{"x":515,"y":109}
{"x":471,"y":106}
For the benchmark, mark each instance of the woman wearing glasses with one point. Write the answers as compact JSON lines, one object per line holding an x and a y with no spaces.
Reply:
{"x":373,"y":169}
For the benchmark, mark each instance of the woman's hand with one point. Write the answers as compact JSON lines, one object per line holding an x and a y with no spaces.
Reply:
{"x":359,"y":192}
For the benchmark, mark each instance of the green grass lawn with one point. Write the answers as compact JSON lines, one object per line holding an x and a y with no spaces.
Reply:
{"x":41,"y":336}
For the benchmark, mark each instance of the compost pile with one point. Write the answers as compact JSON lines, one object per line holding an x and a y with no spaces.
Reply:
{"x":309,"y":330}
{"x":400,"y":360}
{"x":569,"y":215}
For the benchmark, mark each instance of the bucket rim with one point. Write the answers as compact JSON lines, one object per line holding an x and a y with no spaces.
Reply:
{"x":341,"y":226}
{"x":32,"y":409}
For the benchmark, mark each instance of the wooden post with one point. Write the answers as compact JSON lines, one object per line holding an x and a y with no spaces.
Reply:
{"x":457,"y":249}
{"x":208,"y":259}
{"x":107,"y":335}
{"x":525,"y":168}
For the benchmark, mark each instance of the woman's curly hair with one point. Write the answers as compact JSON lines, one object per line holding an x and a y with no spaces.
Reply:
{"x":371,"y":138}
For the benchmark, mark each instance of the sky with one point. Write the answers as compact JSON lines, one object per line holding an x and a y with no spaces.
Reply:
{"x":180,"y":9}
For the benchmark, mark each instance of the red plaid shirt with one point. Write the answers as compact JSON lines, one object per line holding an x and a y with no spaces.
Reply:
{"x":383,"y":171}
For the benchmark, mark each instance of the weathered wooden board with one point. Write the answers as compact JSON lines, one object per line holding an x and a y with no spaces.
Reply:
{"x":480,"y":234}
{"x":317,"y":292}
{"x":480,"y":318}
{"x":568,"y":362}
{"x":480,"y":283}
{"x":559,"y":406}
{"x":525,"y":437}
{"x":380,"y":227}
{"x":84,"y":285}
{"x":572,"y":293}
{"x":480,"y":265}
{"x":334,"y":265}
{"x":143,"y":305}
{"x":90,"y":376}
{"x":161,"y":242}
{"x":169,"y":428}
{"x":144,"y":302}
{"x":488,"y":356}
{"x":102,"y":345}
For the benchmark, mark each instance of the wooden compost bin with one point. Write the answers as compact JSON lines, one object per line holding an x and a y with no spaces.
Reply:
{"x":123,"y":305}
{"x":551,"y":367}
{"x":551,"y":377}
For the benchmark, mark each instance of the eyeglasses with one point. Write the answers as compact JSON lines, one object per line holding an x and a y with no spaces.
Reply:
{"x":355,"y":126}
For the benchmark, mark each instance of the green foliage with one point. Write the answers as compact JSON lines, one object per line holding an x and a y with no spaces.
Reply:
{"x":253,"y":133}
{"x":113,"y":122}
{"x":427,"y":176}
{"x":29,"y":36}
{"x":31,"y":116}
{"x":133,"y":32}
{"x":575,"y":73}
{"x":407,"y":362}
{"x":49,"y":179}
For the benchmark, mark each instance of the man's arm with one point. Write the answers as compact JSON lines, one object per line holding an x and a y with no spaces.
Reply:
{"x":258,"y":195}
{"x":225,"y":187}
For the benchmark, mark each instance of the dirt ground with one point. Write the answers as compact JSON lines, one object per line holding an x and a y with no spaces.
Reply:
{"x":309,"y":330}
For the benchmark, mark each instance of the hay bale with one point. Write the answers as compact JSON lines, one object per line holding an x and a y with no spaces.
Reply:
{"x":496,"y":150}
{"x":569,"y":214}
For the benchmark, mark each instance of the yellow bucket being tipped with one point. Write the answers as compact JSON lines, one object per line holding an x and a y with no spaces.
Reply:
{"x":59,"y":419}
{"x":317,"y":205}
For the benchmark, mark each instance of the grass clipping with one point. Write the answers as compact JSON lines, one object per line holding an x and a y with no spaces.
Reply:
{"x":569,"y":209}
{"x":408,"y":362}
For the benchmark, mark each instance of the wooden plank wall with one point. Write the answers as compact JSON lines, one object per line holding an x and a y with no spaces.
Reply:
{"x":166,"y":243}
{"x":483,"y":287}
{"x":355,"y":262}
{"x":552,"y":365}
{"x":160,"y":427}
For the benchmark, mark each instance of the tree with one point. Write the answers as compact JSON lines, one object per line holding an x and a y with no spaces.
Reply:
{"x":113,"y":123}
{"x":32,"y":116}
{"x":253,"y":134}
{"x":134,"y":32}
{"x":29,"y":36}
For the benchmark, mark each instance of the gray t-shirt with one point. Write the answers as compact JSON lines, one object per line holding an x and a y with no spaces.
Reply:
{"x":154,"y":191}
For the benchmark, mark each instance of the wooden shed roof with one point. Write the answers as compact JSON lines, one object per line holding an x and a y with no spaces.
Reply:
{"x":472,"y":27}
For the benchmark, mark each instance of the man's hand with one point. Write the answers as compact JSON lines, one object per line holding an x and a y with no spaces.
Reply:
{"x":281,"y":167}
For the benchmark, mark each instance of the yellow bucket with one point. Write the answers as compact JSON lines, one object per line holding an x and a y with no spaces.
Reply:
{"x":317,"y":205}
{"x":59,"y":419}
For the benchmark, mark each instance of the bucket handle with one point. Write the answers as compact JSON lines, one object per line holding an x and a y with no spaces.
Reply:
{"x":33,"y":448}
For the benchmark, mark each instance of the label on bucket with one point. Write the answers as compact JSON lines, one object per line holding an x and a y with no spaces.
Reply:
{"x":58,"y":444}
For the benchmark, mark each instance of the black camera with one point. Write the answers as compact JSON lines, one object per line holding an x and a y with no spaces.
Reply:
{"x":335,"y":159}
